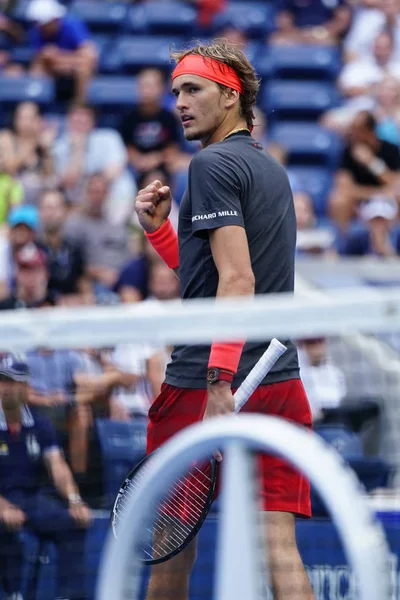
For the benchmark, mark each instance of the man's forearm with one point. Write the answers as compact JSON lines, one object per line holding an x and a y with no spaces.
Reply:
{"x":63,"y":480}
{"x":37,"y":399}
{"x":236,"y":284}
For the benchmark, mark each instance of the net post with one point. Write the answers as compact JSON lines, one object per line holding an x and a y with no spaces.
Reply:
{"x":239,"y":560}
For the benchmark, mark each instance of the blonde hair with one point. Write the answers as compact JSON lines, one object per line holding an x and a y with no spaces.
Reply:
{"x":232,"y":56}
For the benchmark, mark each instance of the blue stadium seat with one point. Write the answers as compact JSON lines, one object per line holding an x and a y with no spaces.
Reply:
{"x":307,"y":143}
{"x":110,"y":92}
{"x":104,"y":46}
{"x":315,"y":181}
{"x":122,"y":446}
{"x":138,"y":52}
{"x":162,"y":18}
{"x":22,"y":54}
{"x":372,"y":472}
{"x":20,"y":89}
{"x":294,"y":100}
{"x":101,"y":17}
{"x":110,"y":95}
{"x":346,"y":442}
{"x":304,"y":62}
{"x":256,"y":19}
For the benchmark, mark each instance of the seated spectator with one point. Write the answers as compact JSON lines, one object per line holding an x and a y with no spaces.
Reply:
{"x":133,"y":280}
{"x":65,"y":260}
{"x":376,"y":237}
{"x":324,"y":382}
{"x":358,"y":76}
{"x":367,"y":23}
{"x":105,"y":246}
{"x":141,"y":370}
{"x":31,"y":281}
{"x":26,"y":150}
{"x":63,"y":47}
{"x":28,"y":443}
{"x":387,"y":110}
{"x":359,"y":82}
{"x":68,"y":390}
{"x":23,"y":223}
{"x":369,"y":166}
{"x":151,"y":133}
{"x":163,"y":283}
{"x":80,"y":152}
{"x":312,"y":22}
{"x":311,"y":238}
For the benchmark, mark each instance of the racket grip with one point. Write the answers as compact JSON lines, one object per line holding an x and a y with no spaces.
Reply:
{"x":258,"y":372}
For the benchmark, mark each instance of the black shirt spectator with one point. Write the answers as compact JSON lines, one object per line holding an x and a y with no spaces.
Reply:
{"x":151,"y":132}
{"x":31,"y":281}
{"x":370,"y":166}
{"x":65,"y":259}
{"x":361,"y":174}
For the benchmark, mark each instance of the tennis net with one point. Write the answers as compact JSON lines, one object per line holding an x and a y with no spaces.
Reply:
{"x":94,"y":372}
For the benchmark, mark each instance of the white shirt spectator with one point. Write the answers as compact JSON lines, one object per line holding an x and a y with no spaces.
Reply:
{"x":325,"y":384}
{"x":133,"y":358}
{"x":367,"y":24}
{"x":366,"y":72}
{"x":104,"y":150}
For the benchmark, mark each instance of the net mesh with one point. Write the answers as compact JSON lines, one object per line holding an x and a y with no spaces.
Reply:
{"x":93,"y":379}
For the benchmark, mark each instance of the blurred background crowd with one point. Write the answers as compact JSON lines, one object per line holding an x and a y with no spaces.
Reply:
{"x":87,"y":119}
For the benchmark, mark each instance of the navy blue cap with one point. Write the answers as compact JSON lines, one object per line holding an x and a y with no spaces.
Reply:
{"x":14,"y":367}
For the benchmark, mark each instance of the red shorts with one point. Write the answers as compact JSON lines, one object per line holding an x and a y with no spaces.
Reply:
{"x":283,"y":488}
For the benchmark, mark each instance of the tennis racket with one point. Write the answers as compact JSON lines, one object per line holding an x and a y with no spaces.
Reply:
{"x":182,"y":511}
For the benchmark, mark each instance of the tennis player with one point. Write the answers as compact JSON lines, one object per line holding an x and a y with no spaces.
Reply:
{"x":237,"y":234}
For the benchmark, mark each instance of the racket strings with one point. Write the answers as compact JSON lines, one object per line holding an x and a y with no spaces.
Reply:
{"x":177,"y":515}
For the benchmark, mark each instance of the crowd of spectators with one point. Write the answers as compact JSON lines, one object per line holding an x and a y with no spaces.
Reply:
{"x":67,"y":183}
{"x":68,"y":233}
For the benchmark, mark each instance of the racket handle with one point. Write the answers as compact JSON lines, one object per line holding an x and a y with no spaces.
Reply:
{"x":258,"y":372}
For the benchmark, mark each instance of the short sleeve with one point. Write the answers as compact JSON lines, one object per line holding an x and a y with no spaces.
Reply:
{"x":78,"y":32}
{"x":46,"y":435}
{"x":215,"y":192}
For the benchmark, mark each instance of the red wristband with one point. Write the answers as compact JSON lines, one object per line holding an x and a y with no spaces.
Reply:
{"x":165,"y":241}
{"x":226,"y":356}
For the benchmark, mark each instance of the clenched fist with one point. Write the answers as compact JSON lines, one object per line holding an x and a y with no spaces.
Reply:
{"x":153,"y":205}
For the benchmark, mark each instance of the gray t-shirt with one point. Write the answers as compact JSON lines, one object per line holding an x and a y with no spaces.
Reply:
{"x":235,"y":182}
{"x":102,"y":243}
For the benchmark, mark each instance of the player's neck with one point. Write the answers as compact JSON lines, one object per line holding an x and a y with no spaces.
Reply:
{"x":223,"y":131}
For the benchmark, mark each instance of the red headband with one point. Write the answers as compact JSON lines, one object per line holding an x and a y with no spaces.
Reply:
{"x":209,"y":68}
